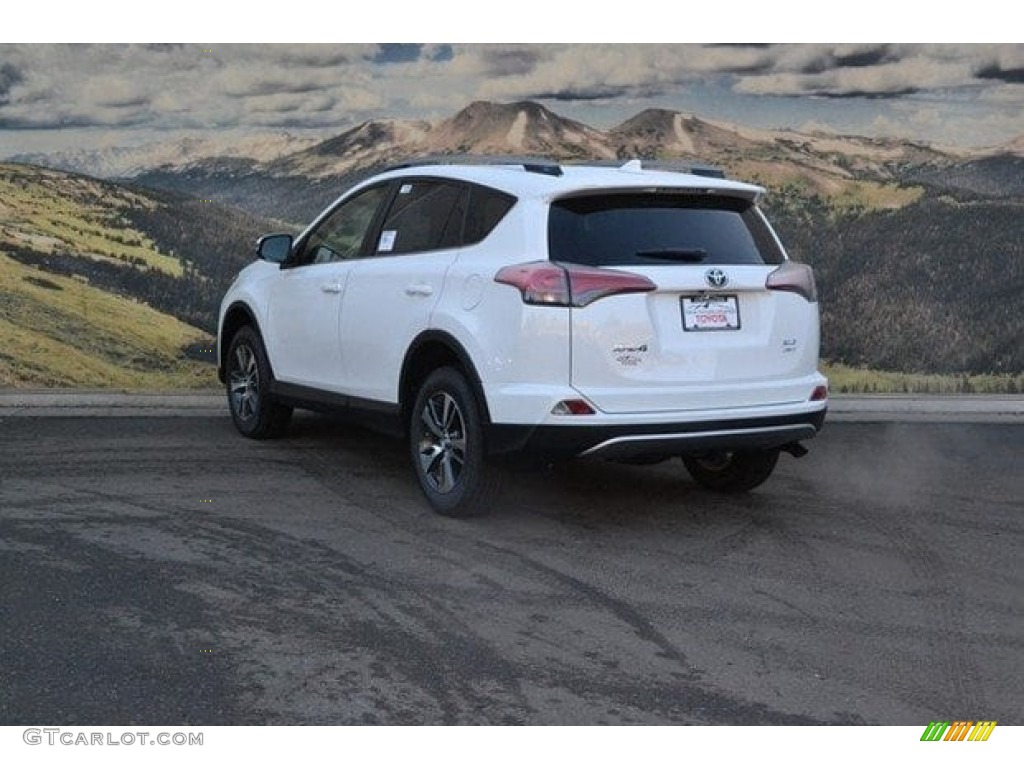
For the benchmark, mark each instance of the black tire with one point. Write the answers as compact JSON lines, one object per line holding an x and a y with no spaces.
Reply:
{"x":247,"y":378}
{"x":731,"y":471}
{"x":446,"y":445}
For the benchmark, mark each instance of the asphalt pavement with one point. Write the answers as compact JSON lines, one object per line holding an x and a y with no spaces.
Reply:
{"x":155,"y":567}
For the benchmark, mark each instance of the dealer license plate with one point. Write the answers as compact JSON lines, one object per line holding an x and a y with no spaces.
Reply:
{"x":711,"y":313}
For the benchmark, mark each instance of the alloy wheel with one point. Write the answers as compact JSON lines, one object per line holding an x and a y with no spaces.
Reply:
{"x":442,"y":445}
{"x":245,"y":383}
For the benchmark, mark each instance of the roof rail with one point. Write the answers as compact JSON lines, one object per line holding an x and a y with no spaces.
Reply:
{"x":543,"y":165}
{"x":549,"y":167}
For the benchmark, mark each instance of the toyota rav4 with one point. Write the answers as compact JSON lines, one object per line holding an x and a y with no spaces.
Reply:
{"x":484,"y":309}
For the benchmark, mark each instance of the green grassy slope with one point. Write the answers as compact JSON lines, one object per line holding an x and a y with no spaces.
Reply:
{"x":61,"y":332}
{"x":53,"y":212}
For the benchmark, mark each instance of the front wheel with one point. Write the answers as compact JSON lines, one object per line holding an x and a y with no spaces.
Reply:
{"x":446,"y":444}
{"x":731,"y":471}
{"x":253,"y":409}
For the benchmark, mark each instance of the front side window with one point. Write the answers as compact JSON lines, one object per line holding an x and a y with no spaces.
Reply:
{"x":343,"y":233}
{"x":634,"y":229}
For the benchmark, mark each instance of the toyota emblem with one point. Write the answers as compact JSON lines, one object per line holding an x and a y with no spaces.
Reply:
{"x":716,"y":278}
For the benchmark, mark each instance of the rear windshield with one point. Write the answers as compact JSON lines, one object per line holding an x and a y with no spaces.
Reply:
{"x":632,"y":229}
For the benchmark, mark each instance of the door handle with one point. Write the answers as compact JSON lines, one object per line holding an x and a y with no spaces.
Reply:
{"x":419,"y":289}
{"x":331,"y":287}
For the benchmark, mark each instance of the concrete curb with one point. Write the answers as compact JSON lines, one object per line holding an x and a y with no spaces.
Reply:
{"x":99,"y":399}
{"x":842,"y":408}
{"x":978,"y":409}
{"x":43,"y":404}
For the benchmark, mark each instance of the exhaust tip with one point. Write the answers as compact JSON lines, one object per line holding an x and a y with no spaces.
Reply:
{"x":796,"y":450}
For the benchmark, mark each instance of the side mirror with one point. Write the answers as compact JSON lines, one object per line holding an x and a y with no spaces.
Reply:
{"x":274,"y":248}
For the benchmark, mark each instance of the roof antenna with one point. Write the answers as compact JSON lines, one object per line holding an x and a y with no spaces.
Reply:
{"x":632,"y":166}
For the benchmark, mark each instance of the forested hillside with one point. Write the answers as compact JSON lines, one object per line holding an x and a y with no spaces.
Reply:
{"x":935,"y":286}
{"x":294,"y":199}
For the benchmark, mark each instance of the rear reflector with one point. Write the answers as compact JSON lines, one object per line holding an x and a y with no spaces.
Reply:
{"x":795,"y":278}
{"x":569,"y":285}
{"x":572,"y":408}
{"x":819,"y":393}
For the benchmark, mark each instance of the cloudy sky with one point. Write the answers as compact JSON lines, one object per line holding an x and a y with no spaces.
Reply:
{"x":55,"y":96}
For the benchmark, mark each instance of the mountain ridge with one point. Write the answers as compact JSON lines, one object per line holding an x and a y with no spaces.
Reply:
{"x":129,"y":161}
{"x":485,"y":127}
{"x":527,"y":127}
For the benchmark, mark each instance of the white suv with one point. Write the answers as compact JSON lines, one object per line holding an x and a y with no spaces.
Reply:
{"x":485,"y":309}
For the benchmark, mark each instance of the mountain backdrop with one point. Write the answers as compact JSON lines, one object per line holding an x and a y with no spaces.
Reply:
{"x":917,"y":249}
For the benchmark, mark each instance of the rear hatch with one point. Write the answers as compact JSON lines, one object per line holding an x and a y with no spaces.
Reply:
{"x":710,"y":334}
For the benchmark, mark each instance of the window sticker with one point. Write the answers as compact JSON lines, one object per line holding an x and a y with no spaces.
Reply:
{"x":387,"y":240}
{"x":405,"y":189}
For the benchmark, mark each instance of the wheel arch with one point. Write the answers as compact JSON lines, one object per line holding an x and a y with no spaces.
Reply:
{"x":238,"y":315}
{"x":429,"y":351}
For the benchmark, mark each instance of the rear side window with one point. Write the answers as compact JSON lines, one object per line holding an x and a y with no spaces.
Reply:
{"x":634,"y":229}
{"x":487,"y":207}
{"x":424,"y":216}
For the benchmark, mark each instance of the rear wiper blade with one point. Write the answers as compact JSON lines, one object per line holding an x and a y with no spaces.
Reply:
{"x":690,"y":255}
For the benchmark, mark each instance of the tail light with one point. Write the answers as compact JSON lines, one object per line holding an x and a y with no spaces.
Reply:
{"x":795,"y":278}
{"x":820,"y":393}
{"x":569,"y":285}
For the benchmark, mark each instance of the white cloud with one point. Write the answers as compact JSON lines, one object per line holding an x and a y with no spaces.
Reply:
{"x":115,"y":91}
{"x":851,"y":70}
{"x":1003,"y":94}
{"x":252,"y":86}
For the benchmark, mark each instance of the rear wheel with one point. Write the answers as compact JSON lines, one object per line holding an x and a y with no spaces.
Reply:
{"x":731,"y":471}
{"x":447,"y":447}
{"x":253,"y":409}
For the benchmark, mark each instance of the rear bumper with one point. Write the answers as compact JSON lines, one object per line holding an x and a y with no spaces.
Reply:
{"x":633,"y":440}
